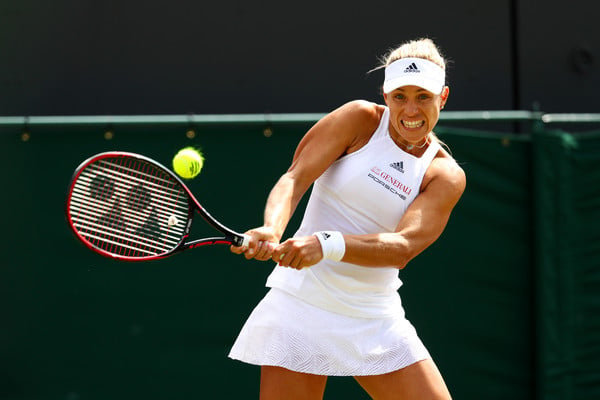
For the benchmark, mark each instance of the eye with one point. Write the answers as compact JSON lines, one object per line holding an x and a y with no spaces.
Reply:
{"x":424,"y":96}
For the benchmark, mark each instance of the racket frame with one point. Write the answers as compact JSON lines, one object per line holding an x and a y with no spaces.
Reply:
{"x":230,"y":237}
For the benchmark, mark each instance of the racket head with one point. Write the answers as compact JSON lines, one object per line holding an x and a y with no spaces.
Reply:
{"x":128,"y":207}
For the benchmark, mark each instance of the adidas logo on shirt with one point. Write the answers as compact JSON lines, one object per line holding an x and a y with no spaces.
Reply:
{"x":399,"y":166}
{"x":412,"y":68}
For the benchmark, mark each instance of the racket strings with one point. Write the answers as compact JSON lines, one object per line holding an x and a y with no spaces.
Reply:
{"x":129,"y":207}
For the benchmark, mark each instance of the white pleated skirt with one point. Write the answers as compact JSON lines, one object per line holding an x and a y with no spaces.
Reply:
{"x":287,"y":332}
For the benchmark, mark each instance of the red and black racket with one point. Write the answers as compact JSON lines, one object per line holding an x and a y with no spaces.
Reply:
{"x":129,"y":207}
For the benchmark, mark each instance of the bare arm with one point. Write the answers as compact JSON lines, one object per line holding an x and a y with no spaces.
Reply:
{"x":423,"y":222}
{"x":338,"y":133}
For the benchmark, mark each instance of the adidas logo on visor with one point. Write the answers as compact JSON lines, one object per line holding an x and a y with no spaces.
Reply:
{"x":412,"y":68}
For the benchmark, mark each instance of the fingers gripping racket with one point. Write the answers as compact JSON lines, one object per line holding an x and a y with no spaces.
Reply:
{"x":129,"y":207}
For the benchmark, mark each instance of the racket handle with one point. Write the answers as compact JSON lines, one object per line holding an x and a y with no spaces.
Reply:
{"x":241,"y":240}
{"x":245,"y":240}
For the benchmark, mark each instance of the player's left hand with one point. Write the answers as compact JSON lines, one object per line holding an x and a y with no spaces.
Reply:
{"x":298,"y":253}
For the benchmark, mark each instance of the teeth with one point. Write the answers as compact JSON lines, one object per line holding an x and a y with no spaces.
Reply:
{"x":413,"y":124}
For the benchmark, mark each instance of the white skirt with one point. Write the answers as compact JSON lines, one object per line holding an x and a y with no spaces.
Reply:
{"x":287,"y":332}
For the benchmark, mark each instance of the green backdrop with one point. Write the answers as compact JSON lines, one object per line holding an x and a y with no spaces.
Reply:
{"x":506,"y":301}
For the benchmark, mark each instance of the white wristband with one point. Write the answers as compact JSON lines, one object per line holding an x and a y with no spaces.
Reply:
{"x":332,"y":244}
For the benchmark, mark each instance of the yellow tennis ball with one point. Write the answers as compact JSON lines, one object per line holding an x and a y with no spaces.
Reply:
{"x":188,"y":162}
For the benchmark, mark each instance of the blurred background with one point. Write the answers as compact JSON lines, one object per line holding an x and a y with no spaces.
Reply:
{"x":85,"y":57}
{"x":506,"y":301}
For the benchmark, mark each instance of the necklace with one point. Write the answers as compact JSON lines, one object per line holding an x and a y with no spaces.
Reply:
{"x":412,"y":146}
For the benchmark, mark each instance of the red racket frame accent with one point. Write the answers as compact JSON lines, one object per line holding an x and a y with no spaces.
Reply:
{"x":230,"y":237}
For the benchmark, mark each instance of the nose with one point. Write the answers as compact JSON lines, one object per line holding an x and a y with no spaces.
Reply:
{"x":411,"y":108}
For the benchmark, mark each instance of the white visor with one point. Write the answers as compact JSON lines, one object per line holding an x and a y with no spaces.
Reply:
{"x":414,"y":71}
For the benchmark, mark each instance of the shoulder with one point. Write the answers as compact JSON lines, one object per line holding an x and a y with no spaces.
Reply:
{"x":338,"y":133}
{"x":358,"y":119}
{"x":361,"y":110}
{"x":444,"y":172}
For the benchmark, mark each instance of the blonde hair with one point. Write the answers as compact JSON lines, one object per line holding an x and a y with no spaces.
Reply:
{"x":419,"y":48}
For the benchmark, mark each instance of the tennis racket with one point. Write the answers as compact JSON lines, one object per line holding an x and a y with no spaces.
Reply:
{"x":129,"y":207}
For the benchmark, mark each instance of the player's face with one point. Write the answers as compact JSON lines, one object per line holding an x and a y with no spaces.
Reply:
{"x":414,"y":111}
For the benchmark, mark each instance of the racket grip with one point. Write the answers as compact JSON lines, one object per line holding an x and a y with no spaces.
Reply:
{"x":245,"y":241}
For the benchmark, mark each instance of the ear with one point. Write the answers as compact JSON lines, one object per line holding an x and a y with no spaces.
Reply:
{"x":444,"y":96}
{"x":385,"y":98}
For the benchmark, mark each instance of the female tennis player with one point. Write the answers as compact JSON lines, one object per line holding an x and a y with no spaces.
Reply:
{"x":384,"y":188}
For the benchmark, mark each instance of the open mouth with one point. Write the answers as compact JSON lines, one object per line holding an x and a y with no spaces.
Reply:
{"x":413,"y":124}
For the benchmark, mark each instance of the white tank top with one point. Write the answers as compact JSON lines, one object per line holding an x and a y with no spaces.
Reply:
{"x":367,"y":191}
